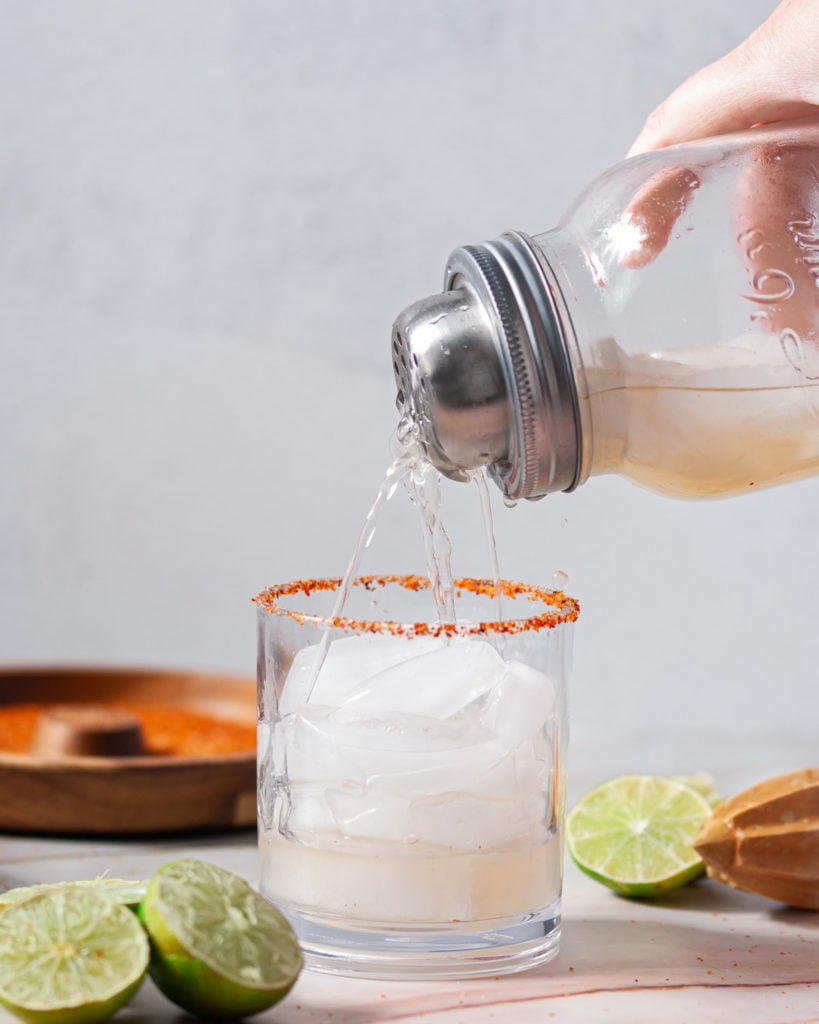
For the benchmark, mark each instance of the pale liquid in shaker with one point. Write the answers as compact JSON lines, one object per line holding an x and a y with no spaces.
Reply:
{"x":707,"y":421}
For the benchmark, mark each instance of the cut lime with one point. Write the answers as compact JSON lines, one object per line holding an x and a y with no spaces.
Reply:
{"x":69,"y":956}
{"x":219,"y":949}
{"x":635,"y":834}
{"x":704,"y":784}
{"x":129,"y":894}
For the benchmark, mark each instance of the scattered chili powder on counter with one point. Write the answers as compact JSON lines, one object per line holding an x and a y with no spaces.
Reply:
{"x":166,"y":730}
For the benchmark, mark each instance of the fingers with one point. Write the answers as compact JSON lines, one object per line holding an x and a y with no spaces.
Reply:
{"x":778,"y":236}
{"x":645,"y":226}
{"x":714,"y":102}
{"x":772,"y":76}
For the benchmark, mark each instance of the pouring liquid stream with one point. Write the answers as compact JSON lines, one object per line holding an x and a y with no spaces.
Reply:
{"x":393,"y":477}
{"x":422,"y":482}
{"x":479,"y":476}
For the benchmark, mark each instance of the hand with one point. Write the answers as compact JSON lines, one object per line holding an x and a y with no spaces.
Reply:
{"x":772,"y":76}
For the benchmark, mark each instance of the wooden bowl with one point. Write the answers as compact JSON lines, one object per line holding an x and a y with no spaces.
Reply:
{"x":128,"y":795}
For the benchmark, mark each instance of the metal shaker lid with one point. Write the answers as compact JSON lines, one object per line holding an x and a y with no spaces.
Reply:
{"x":451,"y":381}
{"x":483,"y":371}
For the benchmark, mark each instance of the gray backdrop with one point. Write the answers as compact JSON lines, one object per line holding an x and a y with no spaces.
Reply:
{"x":210,"y":213}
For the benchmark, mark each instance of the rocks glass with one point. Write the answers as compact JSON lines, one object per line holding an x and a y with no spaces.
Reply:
{"x":411,"y":780}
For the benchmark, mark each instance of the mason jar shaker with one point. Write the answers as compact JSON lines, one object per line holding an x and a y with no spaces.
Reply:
{"x":666,"y":330}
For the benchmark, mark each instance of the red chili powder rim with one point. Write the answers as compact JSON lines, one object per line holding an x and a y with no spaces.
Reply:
{"x":560,"y":608}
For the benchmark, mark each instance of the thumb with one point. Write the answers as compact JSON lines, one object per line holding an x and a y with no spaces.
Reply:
{"x":772,"y":76}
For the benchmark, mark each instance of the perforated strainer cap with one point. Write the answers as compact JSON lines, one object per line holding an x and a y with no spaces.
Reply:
{"x":484,"y":372}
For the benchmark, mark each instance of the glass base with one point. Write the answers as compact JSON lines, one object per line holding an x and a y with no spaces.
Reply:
{"x":423,"y":952}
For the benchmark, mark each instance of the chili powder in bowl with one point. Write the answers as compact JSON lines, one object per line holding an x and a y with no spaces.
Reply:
{"x":111,"y":751}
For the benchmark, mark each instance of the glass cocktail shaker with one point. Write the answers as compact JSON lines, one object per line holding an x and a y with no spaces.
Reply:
{"x":667,"y":330}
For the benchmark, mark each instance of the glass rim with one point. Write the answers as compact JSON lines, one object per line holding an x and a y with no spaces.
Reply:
{"x":560,"y":608}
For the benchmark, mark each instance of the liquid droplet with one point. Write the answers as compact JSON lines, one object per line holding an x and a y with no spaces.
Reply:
{"x":509,"y":502}
{"x":560,"y":578}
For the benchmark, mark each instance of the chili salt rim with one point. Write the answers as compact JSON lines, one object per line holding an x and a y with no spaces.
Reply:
{"x":561,"y":608}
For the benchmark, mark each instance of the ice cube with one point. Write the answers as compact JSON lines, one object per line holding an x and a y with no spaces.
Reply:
{"x":534,"y":764}
{"x":334,"y":745}
{"x":364,"y":816}
{"x":519,"y":705}
{"x":313,"y":752}
{"x":306,"y":813}
{"x":485,"y":770}
{"x":437,"y":683}
{"x":441,"y":771}
{"x":263,"y":734}
{"x":515,"y":776}
{"x":396,"y":731}
{"x":349,"y":661}
{"x":466,"y":822}
{"x":265,"y":771}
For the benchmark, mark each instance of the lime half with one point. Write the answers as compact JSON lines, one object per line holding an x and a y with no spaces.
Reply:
{"x":69,"y":956}
{"x":635,"y":834}
{"x":219,"y":949}
{"x":129,"y":894}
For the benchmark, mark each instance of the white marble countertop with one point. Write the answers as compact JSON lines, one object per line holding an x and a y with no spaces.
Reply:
{"x":706,"y":954}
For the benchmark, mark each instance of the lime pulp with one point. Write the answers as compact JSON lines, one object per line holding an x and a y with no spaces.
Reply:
{"x":129,"y":894}
{"x":635,"y":834}
{"x":219,"y":949}
{"x":69,"y":956}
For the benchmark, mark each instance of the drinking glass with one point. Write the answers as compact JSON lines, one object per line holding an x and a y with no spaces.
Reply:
{"x":411,"y":773}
